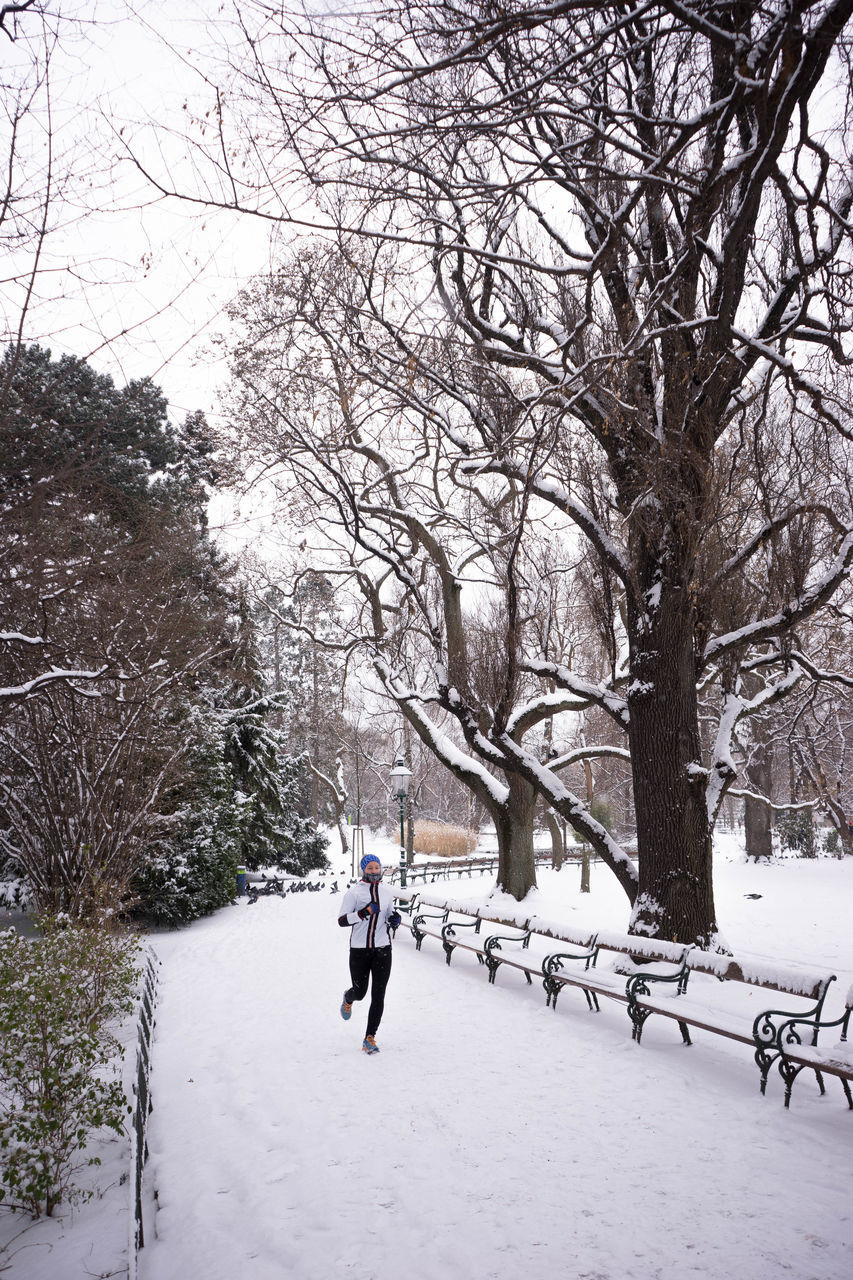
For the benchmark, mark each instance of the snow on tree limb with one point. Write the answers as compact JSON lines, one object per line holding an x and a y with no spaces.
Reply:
{"x":584,"y":690}
{"x":465,"y":766}
{"x":70,"y":677}
{"x":793,"y":612}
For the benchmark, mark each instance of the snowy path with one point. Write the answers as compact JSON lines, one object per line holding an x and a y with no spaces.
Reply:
{"x":490,"y":1137}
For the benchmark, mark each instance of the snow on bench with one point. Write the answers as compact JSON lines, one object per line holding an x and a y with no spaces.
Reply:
{"x":649,"y":975}
{"x":837,"y":1060}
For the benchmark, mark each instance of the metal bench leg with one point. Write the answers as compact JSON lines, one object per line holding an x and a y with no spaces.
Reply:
{"x":638,"y":1021}
{"x":764,"y":1062}
{"x":448,"y":950}
{"x":789,"y":1072}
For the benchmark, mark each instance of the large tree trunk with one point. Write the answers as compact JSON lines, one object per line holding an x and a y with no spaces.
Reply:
{"x":758,"y":829}
{"x":756,"y":816}
{"x":557,"y":851}
{"x":514,"y":826}
{"x":675,"y":897}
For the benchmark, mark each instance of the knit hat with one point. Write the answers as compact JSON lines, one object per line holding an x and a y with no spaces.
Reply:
{"x":369,"y":857}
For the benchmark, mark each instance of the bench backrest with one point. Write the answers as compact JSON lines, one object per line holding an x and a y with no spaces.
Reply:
{"x":758,"y":971}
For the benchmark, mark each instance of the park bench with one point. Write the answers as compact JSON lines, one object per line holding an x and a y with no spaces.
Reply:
{"x":658,"y":961}
{"x":725,"y":1009}
{"x":485,"y":948}
{"x":435,"y":924}
{"x":795,"y":1055}
{"x":650,"y":976}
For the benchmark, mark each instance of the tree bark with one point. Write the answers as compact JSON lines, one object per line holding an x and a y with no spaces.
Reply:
{"x":557,"y":850}
{"x":675,"y":897}
{"x":756,"y":816}
{"x":514,"y":826}
{"x":586,"y":861}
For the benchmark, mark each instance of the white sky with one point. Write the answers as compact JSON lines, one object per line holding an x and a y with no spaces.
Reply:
{"x":134,"y":283}
{"x":108,"y":276}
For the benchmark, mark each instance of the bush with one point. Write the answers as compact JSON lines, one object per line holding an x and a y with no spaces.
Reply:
{"x":444,"y":841}
{"x":602,"y":811}
{"x":61,"y":995}
{"x":796,"y":832}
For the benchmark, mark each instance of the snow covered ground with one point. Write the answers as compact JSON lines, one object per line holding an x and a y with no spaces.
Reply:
{"x":490,"y":1136}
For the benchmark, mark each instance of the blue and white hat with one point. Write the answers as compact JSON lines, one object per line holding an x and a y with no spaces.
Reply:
{"x":369,"y":857}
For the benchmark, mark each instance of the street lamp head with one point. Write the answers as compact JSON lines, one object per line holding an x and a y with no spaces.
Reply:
{"x":400,"y":776}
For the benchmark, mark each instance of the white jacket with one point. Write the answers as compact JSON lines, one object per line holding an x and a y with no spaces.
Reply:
{"x":372,"y":932}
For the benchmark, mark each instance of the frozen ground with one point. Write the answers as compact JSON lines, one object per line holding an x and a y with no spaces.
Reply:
{"x":491,"y":1136}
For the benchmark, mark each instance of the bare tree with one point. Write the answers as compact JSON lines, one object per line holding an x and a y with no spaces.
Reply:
{"x":88,"y":762}
{"x":633,"y":224}
{"x":444,"y":581}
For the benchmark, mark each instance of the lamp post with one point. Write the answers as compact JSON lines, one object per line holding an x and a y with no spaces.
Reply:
{"x":400,"y":777}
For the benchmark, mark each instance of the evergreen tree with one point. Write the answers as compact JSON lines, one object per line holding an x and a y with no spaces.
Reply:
{"x":265,"y":773}
{"x":190,"y":867}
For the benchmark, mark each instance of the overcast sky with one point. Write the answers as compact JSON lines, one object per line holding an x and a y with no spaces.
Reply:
{"x":134,"y":283}
{"x":137,"y":284}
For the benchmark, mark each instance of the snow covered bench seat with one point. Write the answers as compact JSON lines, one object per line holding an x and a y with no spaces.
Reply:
{"x":648,"y":975}
{"x":532,"y":953}
{"x":730,"y":1011}
{"x":835,"y":1060}
{"x":486,"y":947}
{"x":449,"y":922}
{"x":629,"y":958}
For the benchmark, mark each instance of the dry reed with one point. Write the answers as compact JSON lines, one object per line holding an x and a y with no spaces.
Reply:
{"x":439,"y":839}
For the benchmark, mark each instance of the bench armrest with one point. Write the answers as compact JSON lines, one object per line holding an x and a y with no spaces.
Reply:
{"x":553,"y":963}
{"x":452,"y":925}
{"x":418,"y":920}
{"x":493,"y":942}
{"x":789,"y":1037}
{"x":767,"y":1025}
{"x":640,"y":984}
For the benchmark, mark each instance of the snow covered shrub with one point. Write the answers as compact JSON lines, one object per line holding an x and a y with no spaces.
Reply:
{"x":796,"y":832}
{"x":15,"y":894}
{"x":61,"y":996}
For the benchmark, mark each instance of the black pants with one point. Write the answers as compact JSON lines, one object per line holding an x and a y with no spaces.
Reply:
{"x":364,"y":961}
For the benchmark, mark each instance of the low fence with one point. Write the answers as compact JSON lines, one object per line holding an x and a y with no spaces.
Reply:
{"x":429,"y":872}
{"x":142,"y":1107}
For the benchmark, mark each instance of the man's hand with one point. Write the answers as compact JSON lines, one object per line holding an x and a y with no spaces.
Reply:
{"x":369,"y":910}
{"x":395,"y":920}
